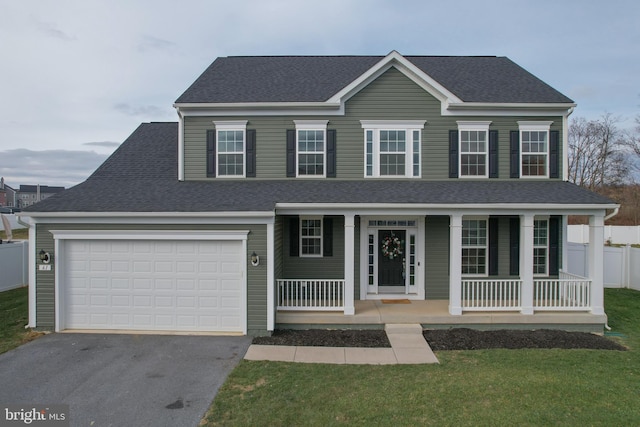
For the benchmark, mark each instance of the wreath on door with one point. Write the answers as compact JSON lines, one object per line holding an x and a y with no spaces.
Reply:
{"x":392,"y":246}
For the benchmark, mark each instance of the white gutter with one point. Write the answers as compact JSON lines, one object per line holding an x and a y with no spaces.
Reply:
{"x":450,"y":206}
{"x":173,"y":214}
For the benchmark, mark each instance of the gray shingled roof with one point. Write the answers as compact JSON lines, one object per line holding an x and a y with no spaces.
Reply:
{"x":318,"y":78}
{"x":141,"y":176}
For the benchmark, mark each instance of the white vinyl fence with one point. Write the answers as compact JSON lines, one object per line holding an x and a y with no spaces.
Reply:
{"x":616,"y":234}
{"x":621,"y":265}
{"x":14,"y":265}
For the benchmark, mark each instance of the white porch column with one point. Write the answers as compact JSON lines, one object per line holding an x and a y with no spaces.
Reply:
{"x":526,"y":262}
{"x":271,"y":286}
{"x":455,"y":264}
{"x":349,"y":264}
{"x":596,"y":263}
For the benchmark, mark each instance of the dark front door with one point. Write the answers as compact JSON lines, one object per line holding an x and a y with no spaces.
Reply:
{"x":391,"y":257}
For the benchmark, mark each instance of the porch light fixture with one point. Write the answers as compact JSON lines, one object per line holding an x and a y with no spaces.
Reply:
{"x":255,"y":259}
{"x":44,"y":256}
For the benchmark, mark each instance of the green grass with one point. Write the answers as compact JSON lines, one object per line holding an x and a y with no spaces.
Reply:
{"x":467,"y":388}
{"x":14,"y":313}
{"x":19,"y":233}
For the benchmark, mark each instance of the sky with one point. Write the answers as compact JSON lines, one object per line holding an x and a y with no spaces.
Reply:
{"x":78,"y":77}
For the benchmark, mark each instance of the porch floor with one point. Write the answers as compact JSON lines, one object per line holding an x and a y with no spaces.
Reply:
{"x":434,"y":314}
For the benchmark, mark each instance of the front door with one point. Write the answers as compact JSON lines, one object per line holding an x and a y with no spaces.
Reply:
{"x":391,"y":259}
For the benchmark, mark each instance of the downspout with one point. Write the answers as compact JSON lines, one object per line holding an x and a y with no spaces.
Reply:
{"x":611,"y":215}
{"x":32,"y":271}
{"x":565,"y":144}
{"x":180,"y":145}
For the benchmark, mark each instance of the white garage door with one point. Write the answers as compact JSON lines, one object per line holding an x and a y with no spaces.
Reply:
{"x":156,"y":285}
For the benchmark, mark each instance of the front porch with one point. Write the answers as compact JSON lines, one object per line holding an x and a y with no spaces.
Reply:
{"x":434,"y":314}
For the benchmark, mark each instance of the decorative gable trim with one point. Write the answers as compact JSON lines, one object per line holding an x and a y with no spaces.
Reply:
{"x":395,"y":59}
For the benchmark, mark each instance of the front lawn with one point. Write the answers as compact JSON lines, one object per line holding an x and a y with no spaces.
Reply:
{"x":14,"y":315}
{"x":18,"y":234}
{"x":467,"y":388}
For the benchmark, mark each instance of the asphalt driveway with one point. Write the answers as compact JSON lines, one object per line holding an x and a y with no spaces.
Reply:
{"x":121,"y":380}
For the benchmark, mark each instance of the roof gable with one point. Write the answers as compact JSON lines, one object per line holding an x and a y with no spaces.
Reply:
{"x":333,"y":79}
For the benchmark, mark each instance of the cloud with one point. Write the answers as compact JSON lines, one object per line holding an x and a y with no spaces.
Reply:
{"x":48,"y":167}
{"x":141,"y":110}
{"x":105,"y":144}
{"x":150,"y":43}
{"x":51,"y":30}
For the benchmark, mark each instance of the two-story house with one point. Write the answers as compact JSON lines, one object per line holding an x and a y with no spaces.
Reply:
{"x":329,"y":191}
{"x":31,"y":194}
{"x":7,"y":195}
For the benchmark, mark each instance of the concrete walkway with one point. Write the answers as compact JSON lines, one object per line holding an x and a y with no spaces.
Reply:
{"x":408,"y":346}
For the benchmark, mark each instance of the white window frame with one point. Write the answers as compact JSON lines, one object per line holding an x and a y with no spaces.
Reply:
{"x":236,"y":125}
{"x":544,"y":246}
{"x":525,"y":126}
{"x":313,"y":125}
{"x":319,"y":238}
{"x":465,"y":126}
{"x":485,"y":246}
{"x":408,"y":126}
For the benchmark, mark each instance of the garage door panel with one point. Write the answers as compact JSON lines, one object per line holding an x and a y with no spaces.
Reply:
{"x":154,"y":285}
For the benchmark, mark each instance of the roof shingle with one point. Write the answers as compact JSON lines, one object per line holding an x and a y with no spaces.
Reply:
{"x":242,"y":79}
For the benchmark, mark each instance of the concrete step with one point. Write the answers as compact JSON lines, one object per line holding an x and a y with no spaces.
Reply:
{"x":403,"y":328}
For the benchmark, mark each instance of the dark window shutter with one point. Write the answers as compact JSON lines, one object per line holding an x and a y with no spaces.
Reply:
{"x":331,"y":153}
{"x":453,"y":153}
{"x":554,"y":245}
{"x":291,"y":153}
{"x":294,"y":236}
{"x":554,"y":154}
{"x":251,"y":153}
{"x":493,"y":154}
{"x":211,"y":153}
{"x":327,"y":236}
{"x":515,"y":153}
{"x":514,"y":246}
{"x":493,"y":246}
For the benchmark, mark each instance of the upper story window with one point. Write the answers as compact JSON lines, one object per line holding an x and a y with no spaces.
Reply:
{"x":534,"y":149}
{"x":473,"y":151}
{"x":230,"y":153}
{"x":311,"y":138}
{"x":392,"y":148}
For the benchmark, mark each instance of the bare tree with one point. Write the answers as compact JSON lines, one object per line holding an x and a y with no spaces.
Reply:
{"x":598,"y":153}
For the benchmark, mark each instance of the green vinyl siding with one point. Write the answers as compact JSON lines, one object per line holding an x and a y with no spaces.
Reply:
{"x":256,"y":276}
{"x":325,"y":267}
{"x":437,"y":257}
{"x":392,"y":96}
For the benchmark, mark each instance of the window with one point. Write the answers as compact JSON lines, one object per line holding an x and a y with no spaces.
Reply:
{"x":392,"y":148}
{"x":230,"y":153}
{"x":534,"y":152}
{"x":311,"y":237}
{"x":540,"y":247}
{"x":473,"y":137}
{"x":474,"y":247}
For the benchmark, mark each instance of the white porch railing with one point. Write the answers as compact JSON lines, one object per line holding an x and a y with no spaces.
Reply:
{"x":491,"y":295}
{"x":311,"y":294}
{"x":568,"y":292}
